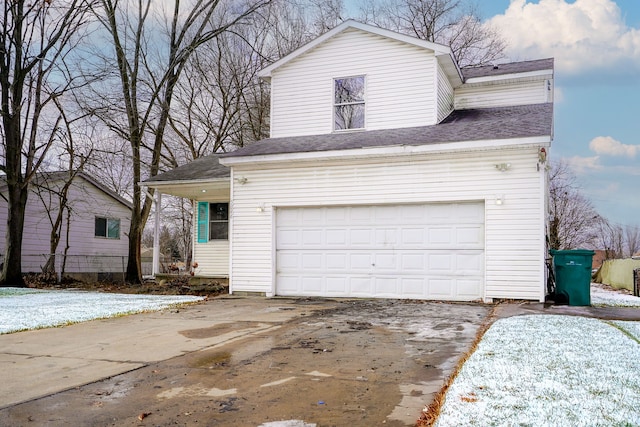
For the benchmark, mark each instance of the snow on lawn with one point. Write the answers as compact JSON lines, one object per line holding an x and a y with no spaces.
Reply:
{"x":543,"y":370}
{"x":601,"y":296}
{"x":22,"y":309}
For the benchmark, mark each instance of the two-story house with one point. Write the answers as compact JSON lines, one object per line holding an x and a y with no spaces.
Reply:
{"x":390,"y":172}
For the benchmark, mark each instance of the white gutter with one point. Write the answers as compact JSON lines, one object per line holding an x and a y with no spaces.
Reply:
{"x":512,"y":76}
{"x":386,"y":151}
{"x":189,"y":182}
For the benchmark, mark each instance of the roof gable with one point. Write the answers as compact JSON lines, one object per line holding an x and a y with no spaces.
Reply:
{"x":443,"y":53}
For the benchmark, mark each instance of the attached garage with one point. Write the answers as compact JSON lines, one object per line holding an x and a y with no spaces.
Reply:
{"x":419,"y":251}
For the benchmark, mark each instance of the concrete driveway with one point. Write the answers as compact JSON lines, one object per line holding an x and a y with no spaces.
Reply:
{"x":239,"y":362}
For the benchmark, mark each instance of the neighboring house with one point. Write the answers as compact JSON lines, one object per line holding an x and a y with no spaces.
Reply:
{"x":92,"y":245}
{"x":390,"y":172}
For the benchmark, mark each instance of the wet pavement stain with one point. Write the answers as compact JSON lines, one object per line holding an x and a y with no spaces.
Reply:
{"x":215,"y":360}
{"x":219,"y":329}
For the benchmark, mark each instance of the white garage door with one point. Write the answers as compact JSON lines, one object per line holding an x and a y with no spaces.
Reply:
{"x":430,"y":251}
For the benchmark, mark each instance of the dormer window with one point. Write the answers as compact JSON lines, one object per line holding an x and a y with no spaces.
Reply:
{"x":348,"y":103}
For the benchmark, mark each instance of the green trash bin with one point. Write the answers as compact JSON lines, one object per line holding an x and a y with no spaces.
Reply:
{"x":573,"y":275}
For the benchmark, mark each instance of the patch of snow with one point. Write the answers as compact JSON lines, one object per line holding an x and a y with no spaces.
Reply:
{"x":604,"y":297}
{"x":288,"y":423}
{"x":548,"y":370}
{"x":23,"y":309}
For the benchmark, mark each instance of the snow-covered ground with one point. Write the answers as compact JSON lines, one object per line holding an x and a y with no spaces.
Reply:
{"x":551,"y":371}
{"x":602,"y":296}
{"x":22,"y":309}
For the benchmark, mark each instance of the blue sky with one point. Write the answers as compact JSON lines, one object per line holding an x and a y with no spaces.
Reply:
{"x":596,"y":46}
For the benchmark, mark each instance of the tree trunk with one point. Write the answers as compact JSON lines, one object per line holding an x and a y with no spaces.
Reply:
{"x":12,"y":266}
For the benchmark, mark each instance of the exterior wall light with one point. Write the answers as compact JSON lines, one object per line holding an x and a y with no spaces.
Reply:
{"x":499,"y":200}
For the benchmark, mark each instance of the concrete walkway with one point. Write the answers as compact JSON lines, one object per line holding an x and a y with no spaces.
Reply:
{"x":41,"y":362}
{"x":605,"y":313}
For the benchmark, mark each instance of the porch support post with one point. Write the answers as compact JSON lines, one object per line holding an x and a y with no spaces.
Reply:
{"x":156,"y":235}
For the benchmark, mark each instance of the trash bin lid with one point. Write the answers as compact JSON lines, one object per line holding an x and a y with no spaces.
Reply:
{"x":572,"y":252}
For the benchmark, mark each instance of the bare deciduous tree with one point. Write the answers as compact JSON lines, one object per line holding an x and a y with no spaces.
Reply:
{"x":35,"y":38}
{"x":574,"y":221}
{"x":453,"y":23}
{"x":632,"y":239}
{"x":151,"y":48}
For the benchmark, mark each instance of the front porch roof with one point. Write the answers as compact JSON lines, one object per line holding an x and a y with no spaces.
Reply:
{"x":203,"y":179}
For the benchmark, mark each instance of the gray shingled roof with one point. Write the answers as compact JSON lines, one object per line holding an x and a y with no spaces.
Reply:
{"x":203,"y":168}
{"x":510,"y":68}
{"x":461,"y":125}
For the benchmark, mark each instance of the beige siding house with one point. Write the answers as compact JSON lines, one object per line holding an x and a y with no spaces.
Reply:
{"x":390,"y":172}
{"x":93,"y":244}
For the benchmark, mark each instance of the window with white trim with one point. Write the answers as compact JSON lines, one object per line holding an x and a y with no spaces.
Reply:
{"x":213,"y":221}
{"x":108,"y":228}
{"x":348,"y":103}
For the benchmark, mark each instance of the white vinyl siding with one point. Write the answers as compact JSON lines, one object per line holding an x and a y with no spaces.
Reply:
{"x":86,"y":202}
{"x":514,"y":231}
{"x":501,"y":95}
{"x":212,"y":257}
{"x":302,"y":90}
{"x":445,"y":96}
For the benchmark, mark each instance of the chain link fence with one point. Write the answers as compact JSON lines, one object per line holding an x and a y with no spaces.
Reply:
{"x":87,"y":268}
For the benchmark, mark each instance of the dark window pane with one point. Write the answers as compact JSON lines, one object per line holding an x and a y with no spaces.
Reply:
{"x":219,"y":211}
{"x":218,"y":221}
{"x":101,"y":227}
{"x":219,"y":230}
{"x":114,"y":229}
{"x":350,"y":89}
{"x":349,"y":116}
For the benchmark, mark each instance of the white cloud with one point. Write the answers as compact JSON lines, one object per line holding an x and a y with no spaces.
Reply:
{"x":583,"y":35}
{"x":606,"y":145}
{"x":582,"y":165}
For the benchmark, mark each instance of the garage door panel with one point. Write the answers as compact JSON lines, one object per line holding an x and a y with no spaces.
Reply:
{"x":361,"y":286}
{"x":361,"y":237}
{"x":312,"y":260}
{"x":337,"y":237}
{"x":413,"y":287}
{"x":440,"y":263}
{"x":431,"y":251}
{"x":441,"y":287}
{"x":413,"y":261}
{"x":336,"y":262}
{"x":471,"y":235}
{"x":469,"y":263}
{"x":360,"y":261}
{"x":288,"y":238}
{"x":413,"y":236}
{"x":336,"y":286}
{"x":385,"y":260}
{"x":386,"y":286}
{"x":467,"y":287}
{"x":288,"y":260}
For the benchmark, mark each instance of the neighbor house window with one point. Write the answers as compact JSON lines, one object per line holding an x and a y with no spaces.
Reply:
{"x":107,"y":227}
{"x":348,"y":103}
{"x":213,"y":221}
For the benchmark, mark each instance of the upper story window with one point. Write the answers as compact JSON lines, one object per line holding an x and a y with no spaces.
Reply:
{"x":348,"y":103}
{"x":107,"y":227}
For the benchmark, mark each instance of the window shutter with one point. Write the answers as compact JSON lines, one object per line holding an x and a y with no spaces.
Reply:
{"x":203,"y":222}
